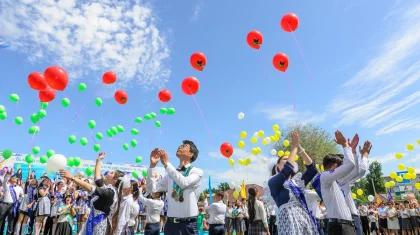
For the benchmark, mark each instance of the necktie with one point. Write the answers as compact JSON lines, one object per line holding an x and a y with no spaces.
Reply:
{"x":181,"y":169}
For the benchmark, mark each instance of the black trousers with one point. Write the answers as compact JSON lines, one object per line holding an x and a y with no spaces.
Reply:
{"x":246,"y":225}
{"x":365,"y":224}
{"x":6,"y":210}
{"x":48,"y":226}
{"x":217,"y":229}
{"x":273,"y":226}
{"x":184,"y":228}
{"x":335,"y":228}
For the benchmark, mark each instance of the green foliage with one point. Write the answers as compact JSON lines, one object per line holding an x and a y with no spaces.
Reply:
{"x":375,"y":174}
{"x":223,"y":186}
{"x":201,"y":198}
{"x":316,"y":141}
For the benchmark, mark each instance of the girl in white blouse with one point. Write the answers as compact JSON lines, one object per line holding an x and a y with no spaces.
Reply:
{"x":258,"y":224}
{"x":130,"y":191}
{"x":229,"y":225}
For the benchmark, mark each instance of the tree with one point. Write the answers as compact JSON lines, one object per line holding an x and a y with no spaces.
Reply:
{"x":223,"y":186}
{"x":363,"y":185}
{"x":375,"y":175}
{"x":201,"y":198}
{"x":316,"y":141}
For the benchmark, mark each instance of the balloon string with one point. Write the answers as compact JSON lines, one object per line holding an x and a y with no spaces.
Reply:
{"x":202,"y":116}
{"x":301,"y":52}
{"x":91,"y":136}
{"x":33,"y":136}
{"x":264,"y":65}
{"x":78,"y":113}
{"x":291,"y":91}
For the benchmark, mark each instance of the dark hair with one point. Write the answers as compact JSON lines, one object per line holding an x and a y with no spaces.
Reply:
{"x":193,"y":149}
{"x":68,"y":196}
{"x":220,"y":194}
{"x":117,"y":175}
{"x":251,"y":203}
{"x":332,"y":159}
{"x":136,"y":191}
{"x":273,"y":170}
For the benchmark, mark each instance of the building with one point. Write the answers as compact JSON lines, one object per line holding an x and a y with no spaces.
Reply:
{"x":405,"y":187}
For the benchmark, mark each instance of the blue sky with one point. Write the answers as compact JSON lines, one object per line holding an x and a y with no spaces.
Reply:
{"x":364,"y":58}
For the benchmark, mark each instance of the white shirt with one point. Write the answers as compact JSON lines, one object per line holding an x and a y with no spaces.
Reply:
{"x":7,"y":197}
{"x":331,"y":192}
{"x":260,"y":213}
{"x":216,"y":211}
{"x":190,"y":184}
{"x":229,"y":212}
{"x":124,"y":213}
{"x":154,"y":207}
{"x":133,"y":214}
{"x":312,"y":199}
{"x":372,"y":218}
{"x":404,"y":213}
{"x":363,"y":210}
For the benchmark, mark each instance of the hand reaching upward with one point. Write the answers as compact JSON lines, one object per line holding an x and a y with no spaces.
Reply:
{"x":154,"y":157}
{"x":340,"y":139}
{"x":365,"y":151}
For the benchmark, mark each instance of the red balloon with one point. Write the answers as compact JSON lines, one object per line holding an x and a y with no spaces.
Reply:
{"x":109,"y":77}
{"x":165,"y":95}
{"x":37,"y":81}
{"x":281,"y":62}
{"x":226,"y":149}
{"x":121,"y":97}
{"x":47,"y":95}
{"x":289,"y":22}
{"x":56,"y":78}
{"x":190,"y":85}
{"x":254,"y":39}
{"x":198,"y":60}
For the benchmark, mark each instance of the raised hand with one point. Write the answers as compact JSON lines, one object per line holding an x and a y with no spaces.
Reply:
{"x":66,"y":174}
{"x":154,"y":157}
{"x":163,"y":157}
{"x":365,"y":151}
{"x":101,"y":156}
{"x":354,"y":142}
{"x":295,"y":139}
{"x":340,"y":139}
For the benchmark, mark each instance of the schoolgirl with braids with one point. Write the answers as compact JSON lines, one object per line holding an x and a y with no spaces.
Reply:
{"x":106,"y":202}
{"x":130,"y":191}
{"x":258,"y":223}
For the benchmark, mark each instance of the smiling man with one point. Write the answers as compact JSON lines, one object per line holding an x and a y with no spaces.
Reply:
{"x":183,"y":186}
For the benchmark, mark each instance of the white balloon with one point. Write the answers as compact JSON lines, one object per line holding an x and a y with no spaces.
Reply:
{"x":371,"y":198}
{"x":267,"y":139}
{"x":273,"y":152}
{"x":255,"y":135}
{"x":232,"y":185}
{"x":264,"y":160}
{"x":238,"y":188}
{"x":56,"y":162}
{"x":241,"y":116}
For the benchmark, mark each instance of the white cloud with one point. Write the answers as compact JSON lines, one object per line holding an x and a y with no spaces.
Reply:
{"x":399,"y":125}
{"x":376,"y":93}
{"x":287,"y":114}
{"x":197,"y":10}
{"x":89,"y":37}
{"x":383,"y":159}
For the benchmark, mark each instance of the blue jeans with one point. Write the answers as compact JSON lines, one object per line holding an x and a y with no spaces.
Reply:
{"x":357,"y":224}
{"x":131,"y":230}
{"x":184,"y":228}
{"x":152,"y":229}
{"x":217,"y":229}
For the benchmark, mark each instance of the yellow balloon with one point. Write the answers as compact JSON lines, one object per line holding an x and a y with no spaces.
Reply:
{"x":259,"y":149}
{"x":241,"y":161}
{"x":401,"y":167}
{"x":248,"y":161}
{"x":317,"y":166}
{"x":276,"y":127}
{"x":417,"y":185}
{"x":241,"y":144}
{"x":260,"y":133}
{"x":413,"y":176}
{"x":280,"y":153}
{"x":272,"y":138}
{"x":243,"y":134}
{"x":399,"y":179}
{"x":387,"y":185}
{"x":418,"y":141}
{"x":410,"y":147}
{"x":277,"y":134}
{"x":393,"y":175}
{"x":304,"y":162}
{"x":296,"y":158}
{"x":410,"y":170}
{"x":264,"y":142}
{"x":398,"y":156}
{"x":236,"y":194}
{"x":287,"y":153}
{"x":276,"y":138}
{"x":359,"y":192}
{"x":286,"y":143}
{"x":231,"y":162}
{"x":353,"y":195}
{"x":253,"y":140}
{"x":254,"y":151}
{"x":407,"y":176}
{"x":392,"y":183}
{"x":322,"y":167}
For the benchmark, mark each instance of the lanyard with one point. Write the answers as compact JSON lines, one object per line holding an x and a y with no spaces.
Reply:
{"x":175,"y":188}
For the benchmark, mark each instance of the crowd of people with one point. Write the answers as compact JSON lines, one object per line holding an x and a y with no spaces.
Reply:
{"x":309,"y":203}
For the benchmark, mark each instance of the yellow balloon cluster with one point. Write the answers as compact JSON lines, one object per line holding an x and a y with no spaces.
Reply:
{"x":244,"y":162}
{"x":390,"y":184}
{"x":359,"y":192}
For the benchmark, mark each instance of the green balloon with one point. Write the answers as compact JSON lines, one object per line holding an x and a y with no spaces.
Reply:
{"x":50,"y":153}
{"x":14,"y":98}
{"x":153,"y":115}
{"x":44,"y":105}
{"x":34,"y":130}
{"x":109,"y":133}
{"x":2,"y":109}
{"x":81,"y":87}
{"x":138,"y":120}
{"x":135,"y":174}
{"x":96,"y":147}
{"x":163,"y":110}
{"x":70,"y":162}
{"x":120,"y":128}
{"x":133,"y":143}
{"x":171,"y":111}
{"x":134,"y":131}
{"x":65,"y":102}
{"x":144,"y":173}
{"x":114,"y":130}
{"x":157,"y":124}
{"x":99,"y":136}
{"x":29,"y":158}
{"x":76,"y":161}
{"x":43,"y":159}
{"x":83,"y":141}
{"x":42,"y":113}
{"x":89,"y":171}
{"x":36,"y":150}
{"x":139,"y":159}
{"x":18,"y":120}
{"x":72,"y":139}
{"x":98,"y":102}
{"x":34,"y":118}
{"x":91,"y":124}
{"x":125,"y":146}
{"x":7,"y":154}
{"x":3,"y":115}
{"x":147,"y":117}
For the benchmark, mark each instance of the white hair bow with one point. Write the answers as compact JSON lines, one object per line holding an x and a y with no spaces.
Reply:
{"x":273,"y":162}
{"x":125,"y":181}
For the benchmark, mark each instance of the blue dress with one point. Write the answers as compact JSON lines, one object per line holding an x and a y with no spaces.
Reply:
{"x":293,"y":216}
